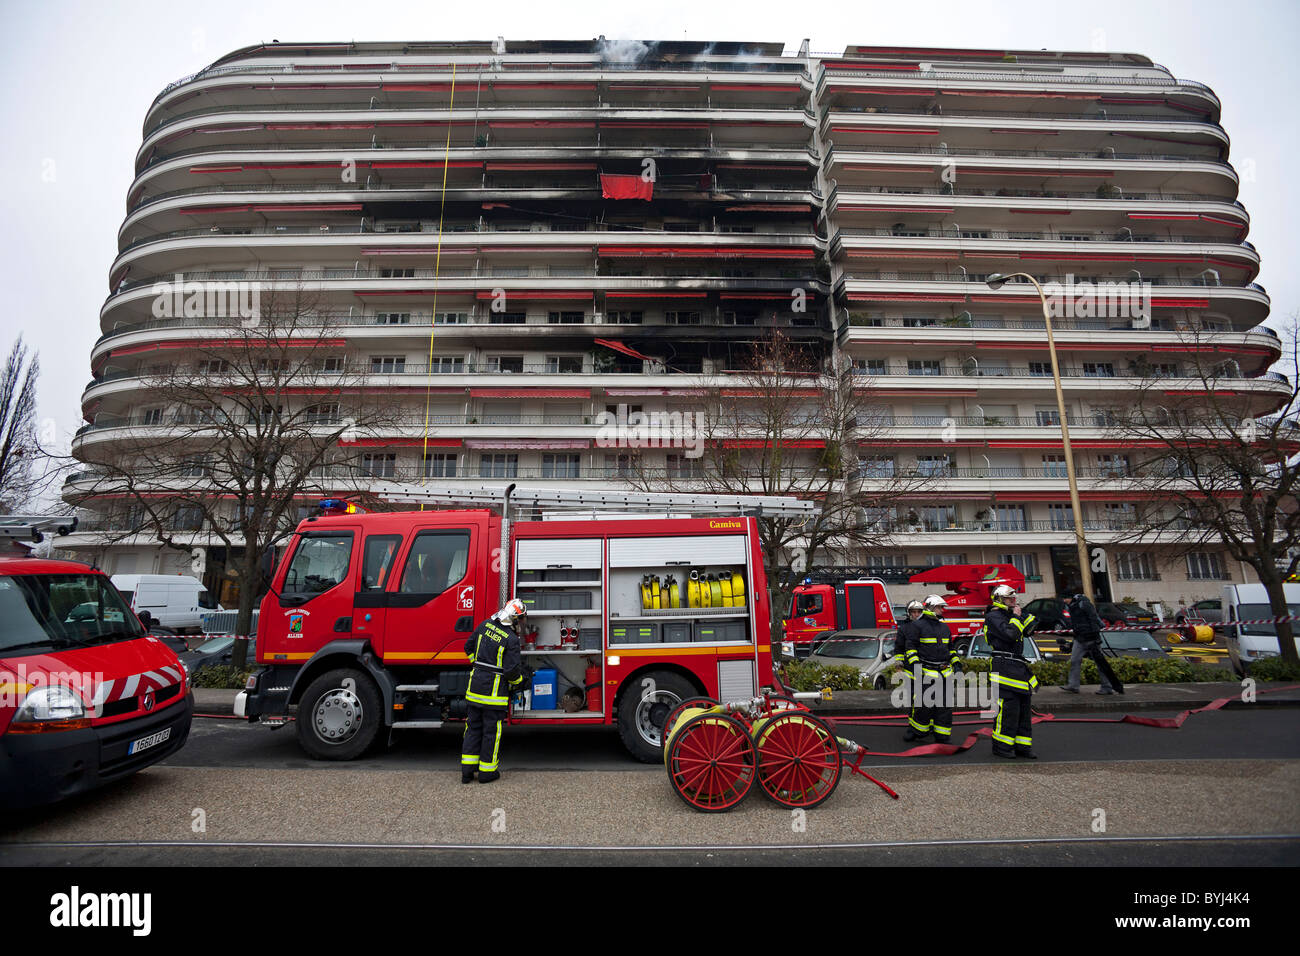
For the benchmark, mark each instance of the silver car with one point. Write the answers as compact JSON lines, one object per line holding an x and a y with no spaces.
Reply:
{"x":869,"y":649}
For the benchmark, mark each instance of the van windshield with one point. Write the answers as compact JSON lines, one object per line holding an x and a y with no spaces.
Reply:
{"x":1254,"y":612}
{"x":50,"y":610}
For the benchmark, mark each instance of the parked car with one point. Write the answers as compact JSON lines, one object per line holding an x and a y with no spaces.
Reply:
{"x":1131,"y":644}
{"x":979,"y":647}
{"x":1117,"y":615}
{"x":1208,"y":612}
{"x":216,"y":650}
{"x":91,"y":698}
{"x":869,"y":649}
{"x":174,"y":600}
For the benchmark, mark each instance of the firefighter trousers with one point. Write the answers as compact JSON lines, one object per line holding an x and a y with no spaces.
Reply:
{"x":481,"y":745}
{"x":931,"y":707}
{"x":1013,"y":729}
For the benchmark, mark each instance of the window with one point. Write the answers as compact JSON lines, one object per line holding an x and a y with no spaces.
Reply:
{"x":447,"y":365}
{"x":563,"y":364}
{"x":1205,"y":566}
{"x":624,"y":317}
{"x":377,"y":560}
{"x":450,"y":318}
{"x":265,"y":415}
{"x":507,"y":318}
{"x":938,"y":517}
{"x":320,"y":562}
{"x":924,"y":367}
{"x":502,"y":413}
{"x":438,"y":559}
{"x":1074,"y":237}
{"x":680,"y":466}
{"x":1024,"y":562}
{"x":933,"y":465}
{"x":878,"y":518}
{"x":508,"y":364}
{"x":1060,"y":517}
{"x":935,"y":560}
{"x":560,"y":466}
{"x":886,"y":561}
{"x":1134,"y":566}
{"x":682,"y":318}
{"x":919,"y":321}
{"x":439,"y":465}
{"x":214,"y":367}
{"x":332,"y":365}
{"x":392,"y":318}
{"x":875,"y":416}
{"x":618,"y":466}
{"x":1113,"y":466}
{"x":1040,"y":368}
{"x":1047,"y":416}
{"x":1099,"y":369}
{"x":498,"y":466}
{"x":379,"y":466}
{"x":396,"y":273}
{"x":564,"y":318}
{"x":196,"y":468}
{"x":152,"y":416}
{"x":272,"y":366}
{"x":323,"y":414}
{"x":872,"y":366}
{"x":387,"y":364}
{"x":876,"y":467}
{"x":187,"y":518}
{"x":1104,"y":417}
{"x":1009,"y":517}
{"x":1054,"y":466}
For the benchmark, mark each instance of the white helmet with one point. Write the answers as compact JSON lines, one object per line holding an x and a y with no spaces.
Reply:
{"x":514,"y":608}
{"x":1003,"y":593}
{"x":915,"y":606}
{"x":934,"y":602}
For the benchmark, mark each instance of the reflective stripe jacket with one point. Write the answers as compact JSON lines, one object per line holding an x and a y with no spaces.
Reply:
{"x":493,"y":649}
{"x":1005,"y":634}
{"x":930,"y":644}
{"x":905,"y":644}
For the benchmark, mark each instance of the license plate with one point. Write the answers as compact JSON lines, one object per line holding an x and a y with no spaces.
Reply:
{"x":153,"y":740}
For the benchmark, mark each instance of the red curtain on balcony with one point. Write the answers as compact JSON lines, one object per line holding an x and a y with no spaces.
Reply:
{"x":625,"y":187}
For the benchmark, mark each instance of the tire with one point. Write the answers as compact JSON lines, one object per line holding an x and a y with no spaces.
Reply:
{"x":881,"y":684}
{"x":640,"y":722}
{"x":338,"y":722}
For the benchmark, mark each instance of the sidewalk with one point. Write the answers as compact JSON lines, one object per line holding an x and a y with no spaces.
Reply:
{"x":1136,"y":697}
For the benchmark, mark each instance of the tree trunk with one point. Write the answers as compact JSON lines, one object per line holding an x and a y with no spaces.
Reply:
{"x":1276,"y":589}
{"x":249,"y":579}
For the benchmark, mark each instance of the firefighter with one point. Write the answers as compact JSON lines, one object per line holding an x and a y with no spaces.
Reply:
{"x":905,"y":655}
{"x":1004,"y":629}
{"x":930,"y":649}
{"x":497,"y":672}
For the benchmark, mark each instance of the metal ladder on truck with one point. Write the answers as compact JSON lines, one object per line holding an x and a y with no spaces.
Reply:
{"x":758,"y":506}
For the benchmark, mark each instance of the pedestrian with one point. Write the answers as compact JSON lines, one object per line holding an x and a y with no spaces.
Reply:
{"x":496,"y":672}
{"x":1004,"y":629}
{"x":932,"y":658}
{"x":1087,"y":626}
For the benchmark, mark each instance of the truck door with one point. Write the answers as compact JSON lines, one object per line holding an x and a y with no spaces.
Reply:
{"x":370,"y":603}
{"x":316,"y":596}
{"x":435,"y":600}
{"x":868,"y":604}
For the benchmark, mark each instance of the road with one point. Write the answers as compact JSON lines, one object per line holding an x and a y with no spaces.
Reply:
{"x":1219,"y":790}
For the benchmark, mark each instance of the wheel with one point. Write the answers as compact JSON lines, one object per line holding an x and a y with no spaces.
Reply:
{"x":798,"y":760}
{"x":881,"y":683}
{"x":675,"y":714}
{"x":644,"y":705}
{"x":711,"y":762}
{"x":962,"y":646}
{"x":339,"y":715}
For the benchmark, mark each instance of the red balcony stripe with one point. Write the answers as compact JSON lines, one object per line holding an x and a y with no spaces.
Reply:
{"x":530,"y":392}
{"x":308,"y":207}
{"x":543,"y":85}
{"x":757,"y":87}
{"x":442,"y":292}
{"x":1164,"y":217}
{"x":708,"y":252}
{"x":904,"y":297}
{"x":924,"y":131}
{"x":521,"y":167}
{"x":429,"y":164}
{"x":1027,"y":132}
{"x":653,"y":392}
{"x":540,"y":124}
{"x":528,"y":443}
{"x":857,"y":207}
{"x":537,"y":295}
{"x":651,"y":294}
{"x":872,"y":65}
{"x":401,"y":443}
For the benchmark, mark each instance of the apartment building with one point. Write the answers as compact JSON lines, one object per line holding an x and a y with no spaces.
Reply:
{"x":513,"y":238}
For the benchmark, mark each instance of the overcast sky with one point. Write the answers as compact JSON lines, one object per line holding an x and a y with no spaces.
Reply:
{"x":76,"y":79}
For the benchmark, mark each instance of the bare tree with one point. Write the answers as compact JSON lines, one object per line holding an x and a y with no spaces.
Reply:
{"x":1223,"y":466}
{"x":791,"y":425}
{"x":263,"y":419}
{"x":20,"y":450}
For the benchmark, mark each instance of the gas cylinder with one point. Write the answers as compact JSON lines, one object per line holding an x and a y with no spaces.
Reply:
{"x":594,"y":700}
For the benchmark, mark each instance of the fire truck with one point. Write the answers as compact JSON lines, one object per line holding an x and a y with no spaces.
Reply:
{"x":833,"y":599}
{"x":362,"y":632}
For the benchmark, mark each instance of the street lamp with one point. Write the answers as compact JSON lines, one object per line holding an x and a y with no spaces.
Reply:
{"x":995,"y":281}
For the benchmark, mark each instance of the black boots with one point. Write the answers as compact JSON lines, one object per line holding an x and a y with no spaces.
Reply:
{"x":466,"y":774}
{"x":487,"y":776}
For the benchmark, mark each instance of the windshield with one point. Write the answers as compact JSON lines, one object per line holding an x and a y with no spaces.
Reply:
{"x":1253,"y":612}
{"x":865,"y":649}
{"x":214,"y":646}
{"x":1131,"y":641}
{"x":61,"y":609}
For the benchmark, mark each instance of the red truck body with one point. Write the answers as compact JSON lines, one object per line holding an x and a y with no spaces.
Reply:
{"x":387,"y":601}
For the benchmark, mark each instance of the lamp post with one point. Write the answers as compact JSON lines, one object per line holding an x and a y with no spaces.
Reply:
{"x":996,"y":281}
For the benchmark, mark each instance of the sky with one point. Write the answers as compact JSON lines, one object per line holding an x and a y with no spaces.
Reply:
{"x":77,"y":78}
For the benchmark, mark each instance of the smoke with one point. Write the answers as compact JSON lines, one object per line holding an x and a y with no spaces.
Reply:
{"x":624,"y":52}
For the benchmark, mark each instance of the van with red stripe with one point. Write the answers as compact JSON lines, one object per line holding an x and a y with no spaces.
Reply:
{"x":87,"y":697}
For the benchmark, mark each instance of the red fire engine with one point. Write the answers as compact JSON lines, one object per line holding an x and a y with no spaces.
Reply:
{"x":364,"y":627}
{"x":833,"y":599}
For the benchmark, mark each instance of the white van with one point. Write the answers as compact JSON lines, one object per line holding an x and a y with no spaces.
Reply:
{"x":1248,"y":643}
{"x":174,"y":600}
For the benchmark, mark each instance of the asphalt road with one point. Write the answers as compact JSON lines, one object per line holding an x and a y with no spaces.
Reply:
{"x":1219,"y":790}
